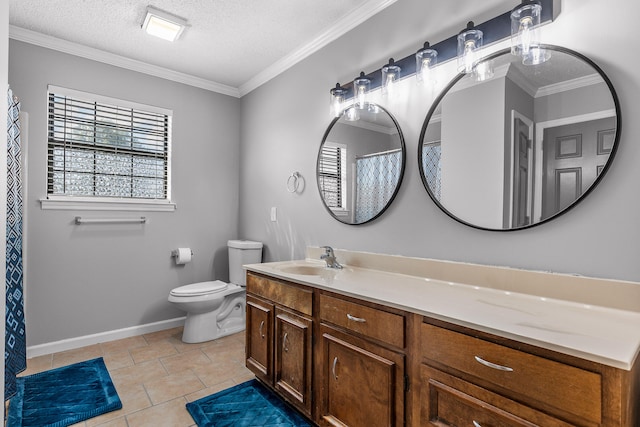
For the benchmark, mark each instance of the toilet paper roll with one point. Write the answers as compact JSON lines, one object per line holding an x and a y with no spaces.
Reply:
{"x":183,"y":255}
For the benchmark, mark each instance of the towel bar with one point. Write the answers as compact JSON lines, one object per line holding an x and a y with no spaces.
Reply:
{"x":80,"y":220}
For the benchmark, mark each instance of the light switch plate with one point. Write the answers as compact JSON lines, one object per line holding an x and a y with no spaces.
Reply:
{"x":274,"y":214}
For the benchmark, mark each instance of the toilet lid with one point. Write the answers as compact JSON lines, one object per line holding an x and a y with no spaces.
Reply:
{"x":202,"y":288}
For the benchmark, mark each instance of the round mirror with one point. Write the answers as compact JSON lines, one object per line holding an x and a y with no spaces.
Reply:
{"x":522,"y":145}
{"x":360,"y":164}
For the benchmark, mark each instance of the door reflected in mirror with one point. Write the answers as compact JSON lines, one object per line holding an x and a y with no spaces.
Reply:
{"x":360,"y":164}
{"x":522,"y":147}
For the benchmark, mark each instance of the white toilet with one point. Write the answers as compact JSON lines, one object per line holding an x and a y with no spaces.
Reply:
{"x":215,"y":309}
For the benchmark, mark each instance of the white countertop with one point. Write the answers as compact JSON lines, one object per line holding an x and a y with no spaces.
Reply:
{"x":601,"y":334}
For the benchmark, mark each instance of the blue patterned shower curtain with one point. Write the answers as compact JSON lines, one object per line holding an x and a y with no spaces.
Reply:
{"x":15,"y":360}
{"x":377,"y":177}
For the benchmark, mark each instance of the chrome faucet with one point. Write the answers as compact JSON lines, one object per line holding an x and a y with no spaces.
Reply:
{"x":330,"y":258}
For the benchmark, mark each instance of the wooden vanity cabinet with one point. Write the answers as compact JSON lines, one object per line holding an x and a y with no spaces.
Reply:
{"x":259,"y":338}
{"x":362,"y":363}
{"x":476,"y":379}
{"x":279,"y":336}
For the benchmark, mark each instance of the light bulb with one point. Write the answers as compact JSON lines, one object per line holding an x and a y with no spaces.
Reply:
{"x":469,"y":56}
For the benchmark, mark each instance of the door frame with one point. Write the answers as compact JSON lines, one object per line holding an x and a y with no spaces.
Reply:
{"x":538,"y":155}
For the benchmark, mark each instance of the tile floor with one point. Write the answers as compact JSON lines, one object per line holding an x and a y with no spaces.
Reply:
{"x":157,"y":374}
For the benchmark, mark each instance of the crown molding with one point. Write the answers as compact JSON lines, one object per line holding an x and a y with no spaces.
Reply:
{"x":576,"y":83}
{"x":49,"y":42}
{"x":341,"y":27}
{"x":345,"y":24}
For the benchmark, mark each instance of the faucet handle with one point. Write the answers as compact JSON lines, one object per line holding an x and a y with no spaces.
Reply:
{"x":328,"y":250}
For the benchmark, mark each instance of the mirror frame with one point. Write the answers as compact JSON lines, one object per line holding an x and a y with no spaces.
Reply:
{"x":402,"y":169}
{"x":492,"y":56}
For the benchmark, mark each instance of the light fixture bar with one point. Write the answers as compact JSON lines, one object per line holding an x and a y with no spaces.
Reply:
{"x":163,"y":24}
{"x":494,"y":30}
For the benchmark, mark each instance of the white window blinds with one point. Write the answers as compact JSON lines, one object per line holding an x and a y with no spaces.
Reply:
{"x":104,"y":147}
{"x":331,"y":175}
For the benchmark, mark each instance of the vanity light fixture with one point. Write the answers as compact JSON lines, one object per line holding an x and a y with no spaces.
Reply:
{"x":525,"y":34}
{"x":390,"y":76}
{"x":361,"y":88}
{"x":338,"y":97}
{"x":530,"y":14}
{"x":162,"y":24}
{"x":469,"y":42}
{"x":426,"y":60}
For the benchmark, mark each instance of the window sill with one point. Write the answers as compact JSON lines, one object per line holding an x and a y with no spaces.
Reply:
{"x":99,"y":204}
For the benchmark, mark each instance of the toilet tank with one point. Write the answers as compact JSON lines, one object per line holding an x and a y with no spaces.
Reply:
{"x":242,"y":252}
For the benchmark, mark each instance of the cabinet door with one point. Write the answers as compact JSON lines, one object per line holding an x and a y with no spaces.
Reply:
{"x":363,"y":383}
{"x":259,"y":338}
{"x":293,"y":358}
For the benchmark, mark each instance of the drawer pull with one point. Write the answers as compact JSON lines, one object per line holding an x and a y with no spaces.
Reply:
{"x":333,"y":368}
{"x":261,"y":326}
{"x":476,"y":424}
{"x":284,"y":342}
{"x":356,"y":319}
{"x":493,"y":365}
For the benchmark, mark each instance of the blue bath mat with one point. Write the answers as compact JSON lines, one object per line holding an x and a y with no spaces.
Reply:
{"x":248,"y":404}
{"x":63,"y":396}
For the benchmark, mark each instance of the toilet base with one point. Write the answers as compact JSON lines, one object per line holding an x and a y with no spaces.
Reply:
{"x":229,"y":319}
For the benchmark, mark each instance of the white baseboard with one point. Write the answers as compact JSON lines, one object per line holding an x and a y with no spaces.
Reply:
{"x":73,"y":343}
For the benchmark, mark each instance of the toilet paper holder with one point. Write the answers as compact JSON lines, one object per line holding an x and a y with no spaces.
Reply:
{"x":175,"y":252}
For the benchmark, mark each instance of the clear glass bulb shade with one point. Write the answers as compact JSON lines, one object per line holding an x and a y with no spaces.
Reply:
{"x":337,"y":98}
{"x":390,"y":77}
{"x":469,"y":42}
{"x":361,"y":88}
{"x":525,"y":33}
{"x":351,"y":114}
{"x":426,"y":60}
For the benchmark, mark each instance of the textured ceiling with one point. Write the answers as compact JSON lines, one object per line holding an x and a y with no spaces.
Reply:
{"x":229,"y":42}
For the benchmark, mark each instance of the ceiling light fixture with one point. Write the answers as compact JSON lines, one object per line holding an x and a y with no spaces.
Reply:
{"x":162,"y":24}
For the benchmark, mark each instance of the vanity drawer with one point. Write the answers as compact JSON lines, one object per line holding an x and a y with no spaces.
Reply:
{"x":287,"y":295}
{"x":449,"y":401}
{"x":551,"y":386}
{"x":371,"y":322}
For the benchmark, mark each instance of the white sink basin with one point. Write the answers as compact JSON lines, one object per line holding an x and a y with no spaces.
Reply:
{"x":303,"y":270}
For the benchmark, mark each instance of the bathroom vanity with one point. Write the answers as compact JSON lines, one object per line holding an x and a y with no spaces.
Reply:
{"x":394,"y":341}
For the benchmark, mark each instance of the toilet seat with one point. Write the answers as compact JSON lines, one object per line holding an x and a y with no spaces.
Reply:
{"x":199,"y":289}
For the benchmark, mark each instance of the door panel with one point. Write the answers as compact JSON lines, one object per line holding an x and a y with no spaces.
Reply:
{"x":573,"y":157}
{"x":293,"y":358}
{"x":259,"y":338}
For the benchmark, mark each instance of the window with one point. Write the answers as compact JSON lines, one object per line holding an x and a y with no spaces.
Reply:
{"x":107,"y":149}
{"x":332,"y":175}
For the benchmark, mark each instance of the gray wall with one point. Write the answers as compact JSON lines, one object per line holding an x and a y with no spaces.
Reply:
{"x":597,"y":238}
{"x":88,"y":279}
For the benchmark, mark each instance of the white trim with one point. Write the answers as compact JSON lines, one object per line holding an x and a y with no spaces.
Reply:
{"x":566,"y":85}
{"x":49,"y":42}
{"x":94,"y":97}
{"x":78,"y":342}
{"x":342,"y":26}
{"x":105,"y":204}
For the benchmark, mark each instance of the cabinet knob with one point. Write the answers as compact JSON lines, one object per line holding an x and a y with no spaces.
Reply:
{"x":284,"y":342}
{"x":492,"y":365}
{"x":260,"y":331}
{"x":333,"y":368}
